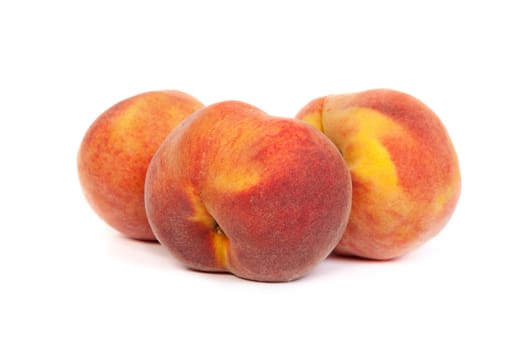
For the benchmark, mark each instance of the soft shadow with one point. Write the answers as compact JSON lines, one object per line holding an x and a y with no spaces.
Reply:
{"x":218,"y":275}
{"x":344,"y":265}
{"x":359,"y":259}
{"x":139,"y":252}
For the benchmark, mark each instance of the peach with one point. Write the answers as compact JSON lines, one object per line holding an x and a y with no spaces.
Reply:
{"x":115,"y":153}
{"x":233,"y":189}
{"x":404,"y":169}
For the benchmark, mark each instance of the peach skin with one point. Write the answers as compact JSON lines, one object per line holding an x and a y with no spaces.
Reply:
{"x":404,"y":169}
{"x":115,"y":153}
{"x":234,"y":189}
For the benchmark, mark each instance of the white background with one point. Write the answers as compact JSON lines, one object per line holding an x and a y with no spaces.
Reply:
{"x":71,"y":282}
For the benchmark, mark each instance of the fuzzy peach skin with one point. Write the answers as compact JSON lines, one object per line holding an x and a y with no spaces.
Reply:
{"x":234,"y":189}
{"x":115,"y":153}
{"x":405,"y":172}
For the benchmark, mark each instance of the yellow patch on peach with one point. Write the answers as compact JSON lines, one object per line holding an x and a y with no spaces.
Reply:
{"x":201,"y":214}
{"x":127,"y":123}
{"x":127,"y":128}
{"x":220,"y":248}
{"x":237,"y":170}
{"x":360,"y":142}
{"x":129,"y":117}
{"x":237,"y":180}
{"x":314,"y":119}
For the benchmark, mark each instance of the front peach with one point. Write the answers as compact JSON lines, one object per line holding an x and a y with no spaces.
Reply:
{"x":236,"y":190}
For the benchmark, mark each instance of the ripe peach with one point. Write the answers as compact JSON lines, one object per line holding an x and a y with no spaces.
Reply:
{"x":405,"y":172}
{"x":116,"y":151}
{"x":234,"y":189}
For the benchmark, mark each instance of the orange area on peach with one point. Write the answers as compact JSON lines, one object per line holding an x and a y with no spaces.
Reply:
{"x":311,"y":113}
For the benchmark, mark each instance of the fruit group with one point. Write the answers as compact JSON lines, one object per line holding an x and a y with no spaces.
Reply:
{"x":405,"y":172}
{"x":116,"y":151}
{"x":234,"y":189}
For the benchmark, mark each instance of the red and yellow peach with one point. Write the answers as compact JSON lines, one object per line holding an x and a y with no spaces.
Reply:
{"x":405,"y":172}
{"x":234,"y":189}
{"x":116,"y":151}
